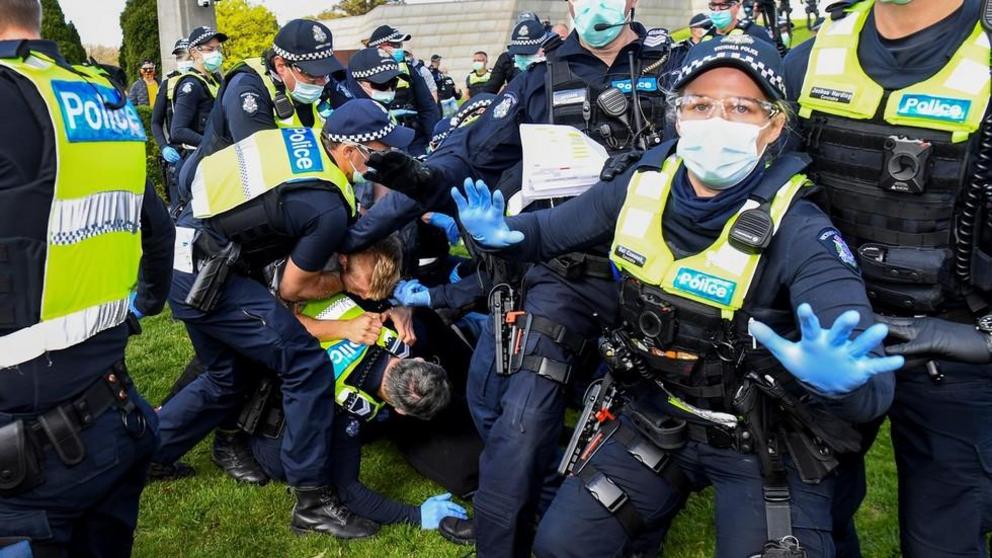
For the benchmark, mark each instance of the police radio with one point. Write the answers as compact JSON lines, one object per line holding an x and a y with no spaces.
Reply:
{"x":283,"y":106}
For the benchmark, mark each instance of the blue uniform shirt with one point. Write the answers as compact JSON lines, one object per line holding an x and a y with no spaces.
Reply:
{"x":191,"y":108}
{"x":799,"y":265}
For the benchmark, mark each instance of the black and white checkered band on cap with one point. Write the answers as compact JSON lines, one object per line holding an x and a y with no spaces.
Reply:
{"x":386,"y":66}
{"x":316,"y":55}
{"x":395,"y":37}
{"x":760,"y":68}
{"x":364,"y":137}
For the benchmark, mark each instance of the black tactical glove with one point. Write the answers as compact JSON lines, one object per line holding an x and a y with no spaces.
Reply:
{"x":398,"y":171}
{"x":618,"y":164}
{"x":937,"y":338}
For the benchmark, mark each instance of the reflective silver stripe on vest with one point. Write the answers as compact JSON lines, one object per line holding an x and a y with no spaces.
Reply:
{"x":78,"y":219}
{"x":252,"y":179}
{"x":60,"y":333}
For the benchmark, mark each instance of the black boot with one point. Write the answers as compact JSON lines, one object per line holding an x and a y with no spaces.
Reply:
{"x":319,"y":510}
{"x":169,"y":471}
{"x":232,"y":454}
{"x":458,"y":531}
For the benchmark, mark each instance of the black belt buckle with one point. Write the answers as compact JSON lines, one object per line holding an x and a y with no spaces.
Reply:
{"x":567,"y":266}
{"x":607,"y":492}
{"x":718,"y":438}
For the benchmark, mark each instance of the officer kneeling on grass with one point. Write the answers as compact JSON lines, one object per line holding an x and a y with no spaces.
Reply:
{"x":371,"y":370}
{"x":277,"y":194}
{"x":712,"y":238}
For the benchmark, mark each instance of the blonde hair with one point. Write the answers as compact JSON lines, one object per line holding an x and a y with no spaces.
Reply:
{"x":388,"y":254}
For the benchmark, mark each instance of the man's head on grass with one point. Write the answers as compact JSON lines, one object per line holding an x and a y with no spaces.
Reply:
{"x":415,"y":387}
{"x":372,"y":274}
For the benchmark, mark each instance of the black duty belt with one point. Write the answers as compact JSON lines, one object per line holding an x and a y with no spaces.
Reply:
{"x":577,"y":264}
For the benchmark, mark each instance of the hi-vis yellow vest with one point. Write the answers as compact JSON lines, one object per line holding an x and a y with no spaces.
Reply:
{"x":719,"y":276}
{"x":172,"y":82}
{"x":261,"y":162}
{"x":93,"y":242}
{"x":257,"y":65}
{"x":475,"y":79}
{"x":346,"y":356}
{"x":404,"y":83}
{"x":954,"y":100}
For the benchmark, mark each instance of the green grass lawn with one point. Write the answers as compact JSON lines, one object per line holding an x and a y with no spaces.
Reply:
{"x":211,"y":516}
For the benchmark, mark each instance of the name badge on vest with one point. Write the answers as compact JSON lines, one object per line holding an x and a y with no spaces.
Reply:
{"x":569,"y":97}
{"x":646,"y":84}
{"x":705,"y":285}
{"x":832,"y":95}
{"x":302,"y":149}
{"x":86,"y":117}
{"x":934,"y":108}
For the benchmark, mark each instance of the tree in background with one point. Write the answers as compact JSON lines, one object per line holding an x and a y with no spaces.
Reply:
{"x":250,"y":30}
{"x":346,"y":8}
{"x":54,"y":28}
{"x":139,"y":24}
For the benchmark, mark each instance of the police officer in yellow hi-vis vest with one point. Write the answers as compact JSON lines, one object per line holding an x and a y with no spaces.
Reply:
{"x":161,"y":121}
{"x":77,"y":220}
{"x":282,"y":89}
{"x":284,"y":193}
{"x":894,"y":100}
{"x":196,"y":90}
{"x":713,"y":241}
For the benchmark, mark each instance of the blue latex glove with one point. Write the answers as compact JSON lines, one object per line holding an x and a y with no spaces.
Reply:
{"x":400,"y":113}
{"x":170,"y":154}
{"x":454,"y":276}
{"x":436,"y":508}
{"x":447,"y":224}
{"x":828,"y":360}
{"x":482,"y":215}
{"x":134,"y":309}
{"x":412,"y":293}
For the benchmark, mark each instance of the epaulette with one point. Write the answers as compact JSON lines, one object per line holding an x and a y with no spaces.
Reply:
{"x":657,"y":40}
{"x":838,"y":10}
{"x":17,"y":48}
{"x":552,"y":42}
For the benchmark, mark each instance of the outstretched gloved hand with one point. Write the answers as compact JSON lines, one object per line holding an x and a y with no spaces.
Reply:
{"x":938,"y":339}
{"x":170,"y":154}
{"x":412,"y":293}
{"x":828,"y":360}
{"x":482,"y":215}
{"x":436,"y":508}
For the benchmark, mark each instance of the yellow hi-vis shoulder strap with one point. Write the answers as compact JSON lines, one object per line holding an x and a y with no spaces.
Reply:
{"x":257,"y":65}
{"x":954,"y":100}
{"x":210,"y":84}
{"x":261,"y":162}
{"x":93,"y":242}
{"x":719,"y":276}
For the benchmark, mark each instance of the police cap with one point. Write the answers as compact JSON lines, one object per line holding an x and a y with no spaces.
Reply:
{"x":387,"y":34}
{"x":527,"y":37}
{"x":365,"y":121}
{"x":308,"y":45}
{"x":202,"y":35}
{"x":759,"y":59}
{"x":182,"y":45}
{"x":369,"y":65}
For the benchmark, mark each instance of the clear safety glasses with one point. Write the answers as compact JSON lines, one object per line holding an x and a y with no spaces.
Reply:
{"x":734,"y":109}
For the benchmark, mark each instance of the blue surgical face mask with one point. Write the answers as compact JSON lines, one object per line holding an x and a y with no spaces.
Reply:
{"x":593,"y":12}
{"x":399,"y":55}
{"x":478,"y":66}
{"x":720,"y":153}
{"x":213,"y":60}
{"x":307,"y":93}
{"x":358,"y":178}
{"x":721,"y":18}
{"x":184,"y":65}
{"x":523,"y":61}
{"x":384,"y":97}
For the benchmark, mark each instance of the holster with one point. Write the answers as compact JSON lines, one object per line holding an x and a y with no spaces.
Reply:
{"x":20,"y":460}
{"x":214,"y":269}
{"x":263,"y":414}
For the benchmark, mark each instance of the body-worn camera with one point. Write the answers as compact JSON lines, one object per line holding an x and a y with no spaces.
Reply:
{"x":906,"y":165}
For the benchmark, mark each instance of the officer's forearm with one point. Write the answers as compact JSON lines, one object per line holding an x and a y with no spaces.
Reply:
{"x":324,"y":330}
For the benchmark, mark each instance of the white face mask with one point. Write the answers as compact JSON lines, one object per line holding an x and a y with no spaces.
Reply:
{"x":718,"y":152}
{"x":307,"y":93}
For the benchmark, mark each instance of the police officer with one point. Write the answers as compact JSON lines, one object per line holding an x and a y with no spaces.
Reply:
{"x":894,"y":99}
{"x":519,"y":411}
{"x":196,"y":91}
{"x":725,"y":15}
{"x":280,"y":90}
{"x":374,"y":76}
{"x":476,"y":80}
{"x":413,"y":96}
{"x":161,"y":120}
{"x":525,"y":46}
{"x":370,"y":372}
{"x":504,"y":69}
{"x":297,"y":204}
{"x":75,"y":434}
{"x":711,"y":235}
